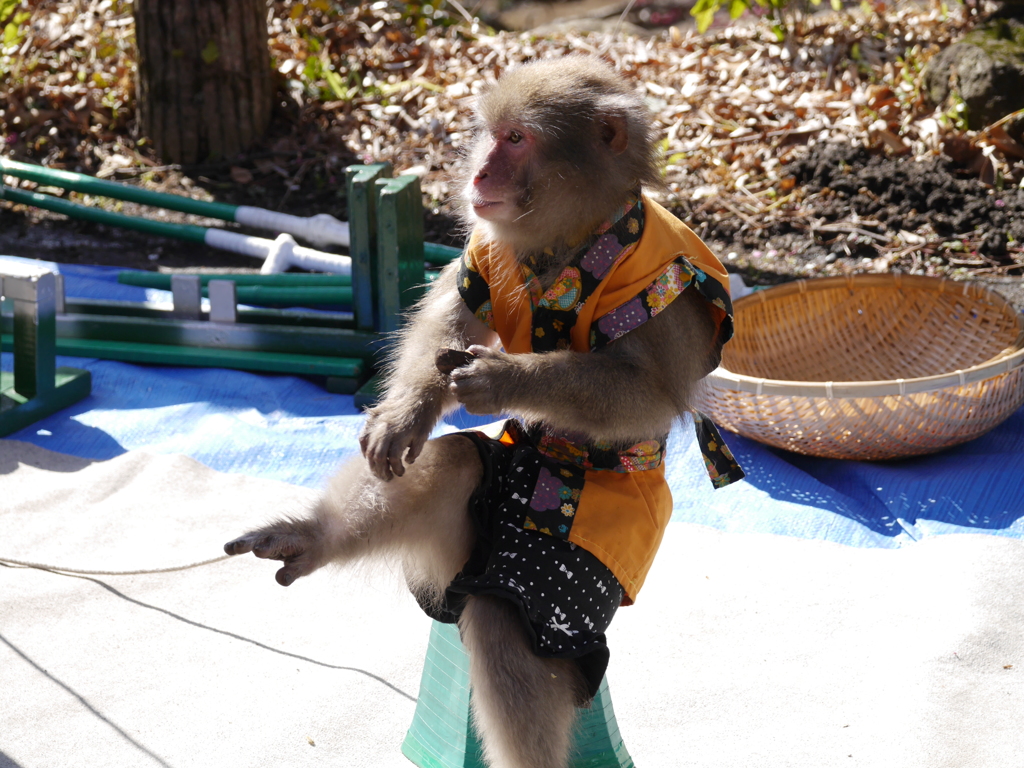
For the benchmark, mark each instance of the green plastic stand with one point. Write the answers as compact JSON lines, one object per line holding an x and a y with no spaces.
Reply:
{"x":442,"y":735}
{"x":37,"y":388}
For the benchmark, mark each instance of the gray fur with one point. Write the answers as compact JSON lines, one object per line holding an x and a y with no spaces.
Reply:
{"x":576,"y":182}
{"x":409,"y":498}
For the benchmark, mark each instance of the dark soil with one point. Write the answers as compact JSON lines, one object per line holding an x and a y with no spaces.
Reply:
{"x":902,"y":195}
{"x":857,"y":208}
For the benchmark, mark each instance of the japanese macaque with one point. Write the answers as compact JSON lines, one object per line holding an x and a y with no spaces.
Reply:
{"x":587,"y":315}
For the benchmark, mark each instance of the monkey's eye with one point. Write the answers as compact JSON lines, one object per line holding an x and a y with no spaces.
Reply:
{"x":515,"y":137}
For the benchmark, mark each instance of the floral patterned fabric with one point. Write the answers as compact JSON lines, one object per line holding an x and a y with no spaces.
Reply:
{"x":611,"y":500}
{"x":555,"y":312}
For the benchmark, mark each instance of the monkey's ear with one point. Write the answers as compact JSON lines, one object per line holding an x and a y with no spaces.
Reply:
{"x":614,"y":132}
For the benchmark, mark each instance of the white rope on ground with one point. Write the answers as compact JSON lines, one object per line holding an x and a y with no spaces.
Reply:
{"x":58,"y":569}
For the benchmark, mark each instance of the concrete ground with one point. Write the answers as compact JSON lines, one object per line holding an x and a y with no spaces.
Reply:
{"x":743,"y":650}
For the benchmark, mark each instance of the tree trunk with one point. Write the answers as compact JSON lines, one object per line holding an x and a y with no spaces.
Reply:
{"x":204,"y":88}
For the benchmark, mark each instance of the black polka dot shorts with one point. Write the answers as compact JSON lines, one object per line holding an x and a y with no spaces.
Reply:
{"x":565,"y":595}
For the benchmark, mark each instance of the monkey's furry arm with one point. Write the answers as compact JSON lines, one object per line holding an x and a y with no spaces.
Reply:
{"x":417,"y":393}
{"x":630,"y":390}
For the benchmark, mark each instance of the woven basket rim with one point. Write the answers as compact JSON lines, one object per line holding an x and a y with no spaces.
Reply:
{"x":1010,"y":358}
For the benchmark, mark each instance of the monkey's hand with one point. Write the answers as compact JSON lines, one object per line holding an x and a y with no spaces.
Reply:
{"x":299,"y":543}
{"x":482,"y":384}
{"x":393,"y":436}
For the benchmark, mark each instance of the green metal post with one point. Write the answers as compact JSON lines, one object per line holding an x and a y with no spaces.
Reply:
{"x":362,"y":198}
{"x":400,"y":275}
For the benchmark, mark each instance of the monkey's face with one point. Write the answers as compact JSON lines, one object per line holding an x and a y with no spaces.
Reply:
{"x":498,"y":191}
{"x":559,"y":147}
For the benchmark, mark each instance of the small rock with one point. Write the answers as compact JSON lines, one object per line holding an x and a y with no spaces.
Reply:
{"x":986,"y":69}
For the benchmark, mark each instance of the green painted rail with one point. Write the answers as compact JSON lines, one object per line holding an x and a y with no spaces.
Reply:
{"x":435,"y":253}
{"x":162,"y":280}
{"x":166,"y":354}
{"x":289,"y":318}
{"x":90,"y":185}
{"x":188,"y":232}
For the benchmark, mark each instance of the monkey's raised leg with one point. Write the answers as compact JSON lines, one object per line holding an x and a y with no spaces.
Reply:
{"x":422,"y":516}
{"x":524,"y":706}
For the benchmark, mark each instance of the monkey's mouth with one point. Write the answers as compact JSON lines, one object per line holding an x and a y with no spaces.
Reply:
{"x":488,"y":210}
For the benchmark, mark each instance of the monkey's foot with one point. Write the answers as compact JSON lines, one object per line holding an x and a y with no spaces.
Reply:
{"x":298,"y":543}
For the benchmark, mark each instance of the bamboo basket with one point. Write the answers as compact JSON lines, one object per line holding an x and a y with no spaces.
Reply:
{"x":869,"y":366}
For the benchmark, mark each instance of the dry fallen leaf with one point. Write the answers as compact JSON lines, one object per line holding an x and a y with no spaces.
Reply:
{"x":732,"y":106}
{"x":1005,"y":143}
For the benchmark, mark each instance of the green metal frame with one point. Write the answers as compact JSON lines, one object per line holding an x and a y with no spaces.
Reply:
{"x":238,"y":336}
{"x":90,"y":185}
{"x":286,"y":289}
{"x":388,"y":277}
{"x":435,"y":253}
{"x":37,"y":388}
{"x":250,"y":315}
{"x":369,"y":393}
{"x":274,"y":341}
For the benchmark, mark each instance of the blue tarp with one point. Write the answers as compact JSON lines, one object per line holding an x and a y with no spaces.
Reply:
{"x":290,"y":429}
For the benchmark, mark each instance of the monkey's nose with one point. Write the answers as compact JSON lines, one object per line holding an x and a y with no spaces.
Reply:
{"x":480,"y":177}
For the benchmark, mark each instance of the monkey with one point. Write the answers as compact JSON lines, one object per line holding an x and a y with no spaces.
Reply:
{"x":584,"y":314}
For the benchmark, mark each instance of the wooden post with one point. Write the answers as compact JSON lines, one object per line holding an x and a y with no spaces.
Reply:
{"x":361,"y":191}
{"x":400,"y":275}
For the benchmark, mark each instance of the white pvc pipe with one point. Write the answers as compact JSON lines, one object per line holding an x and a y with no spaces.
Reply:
{"x":322,"y":229}
{"x":279,"y":254}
